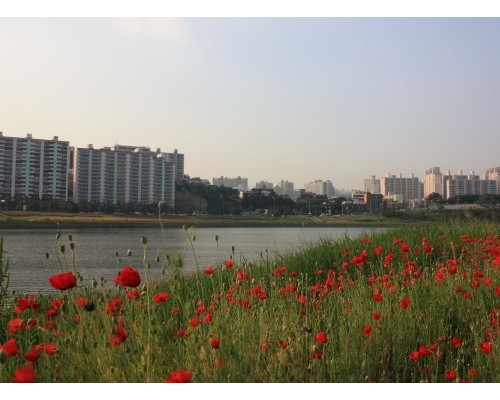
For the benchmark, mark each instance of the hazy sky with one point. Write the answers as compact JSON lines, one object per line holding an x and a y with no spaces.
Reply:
{"x":272,"y":99}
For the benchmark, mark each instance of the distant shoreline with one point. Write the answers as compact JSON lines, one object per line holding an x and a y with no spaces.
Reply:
{"x":41,"y":220}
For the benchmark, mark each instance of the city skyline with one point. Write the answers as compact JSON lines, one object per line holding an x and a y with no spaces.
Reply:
{"x":269,"y":99}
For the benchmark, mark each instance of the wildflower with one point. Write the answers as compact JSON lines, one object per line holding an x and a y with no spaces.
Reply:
{"x":119,"y":336}
{"x":207,"y":318}
{"x":367,"y":330}
{"x":161,"y":297}
{"x":26,"y":303}
{"x":456,"y":342}
{"x":377,"y":296}
{"x":377,"y":250}
{"x":316,"y":354}
{"x":229,"y":264}
{"x":24,"y":374}
{"x":375,"y":316}
{"x":321,"y":337}
{"x":128,"y":277}
{"x":50,"y":349}
{"x":133,"y":294}
{"x":414,"y":355}
{"x":15,"y":325}
{"x":486,"y":347}
{"x":194,"y":322}
{"x":214,"y":342}
{"x":283,"y":344}
{"x":279,"y":271}
{"x":32,"y":355}
{"x":405,"y":302}
{"x":473,"y":372}
{"x":181,"y":332}
{"x":209,"y":270}
{"x":264,"y":346}
{"x":63,"y":281}
{"x":450,"y":375}
{"x":10,"y":347}
{"x":242,"y":275}
{"x":179,"y":376}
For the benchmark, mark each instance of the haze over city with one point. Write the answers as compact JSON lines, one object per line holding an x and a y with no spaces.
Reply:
{"x":271,"y":99}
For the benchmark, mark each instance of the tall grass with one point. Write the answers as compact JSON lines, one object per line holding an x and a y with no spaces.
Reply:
{"x":337,"y":311}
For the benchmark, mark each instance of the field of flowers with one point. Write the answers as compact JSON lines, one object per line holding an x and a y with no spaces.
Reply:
{"x":413,"y":304}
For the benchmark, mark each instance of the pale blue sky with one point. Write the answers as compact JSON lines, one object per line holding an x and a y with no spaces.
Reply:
{"x":296,"y":99}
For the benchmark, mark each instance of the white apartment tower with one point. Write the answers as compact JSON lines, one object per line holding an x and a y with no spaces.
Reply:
{"x":372,"y":185}
{"x":285,"y":188}
{"x":123,"y":174}
{"x":34,"y":167}
{"x":433,"y":182}
{"x":493,"y":174}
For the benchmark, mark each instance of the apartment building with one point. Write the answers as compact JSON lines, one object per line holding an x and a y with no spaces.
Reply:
{"x":235,"y":183}
{"x":493,"y":174}
{"x":404,"y":188}
{"x":433,"y":182}
{"x":123,"y":174}
{"x":372,"y":185}
{"x":32,"y":167}
{"x":471,"y":184}
{"x":286,"y":188}
{"x":321,"y":188}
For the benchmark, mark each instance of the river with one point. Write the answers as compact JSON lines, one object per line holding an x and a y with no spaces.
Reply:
{"x":95,"y":249}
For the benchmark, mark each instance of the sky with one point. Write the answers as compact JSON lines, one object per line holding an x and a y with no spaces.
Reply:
{"x":265,"y":98}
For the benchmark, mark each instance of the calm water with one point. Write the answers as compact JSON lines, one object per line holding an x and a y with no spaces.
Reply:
{"x":96,"y":249}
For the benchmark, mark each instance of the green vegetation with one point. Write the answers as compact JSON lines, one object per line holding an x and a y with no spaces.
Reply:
{"x":417,"y":303}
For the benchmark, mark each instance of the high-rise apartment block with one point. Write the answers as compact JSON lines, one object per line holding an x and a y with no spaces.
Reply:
{"x":285,"y":188}
{"x":372,"y":185}
{"x":407,"y":188}
{"x":34,"y":167}
{"x":123,"y":174}
{"x":321,"y":188}
{"x":235,"y":183}
{"x":493,"y":174}
{"x":178,"y":160}
{"x":264,"y":185}
{"x":451,"y":185}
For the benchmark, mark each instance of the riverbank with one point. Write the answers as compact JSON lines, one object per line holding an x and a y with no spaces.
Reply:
{"x":47,"y":220}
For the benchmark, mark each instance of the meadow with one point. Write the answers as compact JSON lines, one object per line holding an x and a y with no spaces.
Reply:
{"x":413,"y":304}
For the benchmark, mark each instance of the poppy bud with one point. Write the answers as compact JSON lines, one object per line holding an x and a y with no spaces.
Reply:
{"x":58,"y":236}
{"x":70,"y":238}
{"x":72,"y":246}
{"x":129,"y":253}
{"x":47,"y":256}
{"x":3,"y":356}
{"x":144,"y":240}
{"x":216,"y":237}
{"x":63,"y":249}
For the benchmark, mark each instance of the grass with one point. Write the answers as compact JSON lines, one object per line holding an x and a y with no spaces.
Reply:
{"x":413,"y":304}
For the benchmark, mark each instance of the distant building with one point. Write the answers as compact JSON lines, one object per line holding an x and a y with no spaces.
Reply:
{"x":374,"y":202}
{"x":123,"y":174}
{"x":471,"y":184}
{"x":285,"y":188}
{"x":372,"y":185}
{"x":398,"y":187}
{"x":34,"y":167}
{"x":319,"y":187}
{"x":493,"y":174}
{"x":433,"y":182}
{"x":264,"y":185}
{"x":235,"y":183}
{"x":178,"y":161}
{"x":358,"y":197}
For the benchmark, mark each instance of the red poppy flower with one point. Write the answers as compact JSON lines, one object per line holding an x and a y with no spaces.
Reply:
{"x":63,"y":281}
{"x":279,"y":271}
{"x":321,"y":337}
{"x":377,"y":250}
{"x":207,"y":318}
{"x":179,"y":376}
{"x":229,"y":264}
{"x":375,"y":316}
{"x":26,"y":303}
{"x":214,"y":342}
{"x":472,"y":372}
{"x":242,"y":275}
{"x":161,"y":297}
{"x":485,"y":347}
{"x":33,"y":355}
{"x":455,"y":342}
{"x":283,"y":344}
{"x":128,"y":277}
{"x":377,"y":296}
{"x":405,"y":302}
{"x":316,"y":355}
{"x":450,"y":375}
{"x":133,"y":294}
{"x":15,"y":325}
{"x":264,"y":346}
{"x":50,"y":349}
{"x":209,"y":270}
{"x":367,"y":330}
{"x":24,"y":374}
{"x":194,"y":322}
{"x":10,"y":347}
{"x":414,"y":355}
